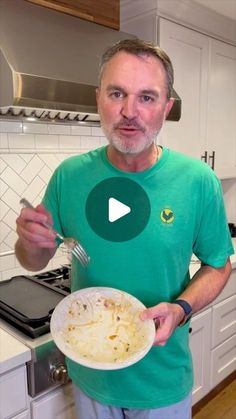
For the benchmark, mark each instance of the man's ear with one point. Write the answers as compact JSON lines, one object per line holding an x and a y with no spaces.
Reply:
{"x":168,"y":107}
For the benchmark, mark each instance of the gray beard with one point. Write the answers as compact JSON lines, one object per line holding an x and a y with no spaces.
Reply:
{"x":121,"y":146}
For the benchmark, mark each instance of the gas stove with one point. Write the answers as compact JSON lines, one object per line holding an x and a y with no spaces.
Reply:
{"x":27,"y":302}
{"x":26,"y":305}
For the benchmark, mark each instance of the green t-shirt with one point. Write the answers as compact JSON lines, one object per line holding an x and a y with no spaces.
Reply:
{"x":153,"y":266}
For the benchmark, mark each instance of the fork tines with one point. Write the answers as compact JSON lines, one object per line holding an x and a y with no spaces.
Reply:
{"x":80,"y":254}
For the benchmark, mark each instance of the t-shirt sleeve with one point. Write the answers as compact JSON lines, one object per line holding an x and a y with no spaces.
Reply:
{"x":213,"y":244}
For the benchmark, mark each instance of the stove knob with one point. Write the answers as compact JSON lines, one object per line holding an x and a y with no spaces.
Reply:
{"x":58,"y":374}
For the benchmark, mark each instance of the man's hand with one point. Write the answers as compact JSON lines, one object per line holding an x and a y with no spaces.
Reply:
{"x":36,"y":243}
{"x":167,"y":317}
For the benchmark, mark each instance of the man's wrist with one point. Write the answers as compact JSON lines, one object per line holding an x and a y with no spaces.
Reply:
{"x":187,"y":310}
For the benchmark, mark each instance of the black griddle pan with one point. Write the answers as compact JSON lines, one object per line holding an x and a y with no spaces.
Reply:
{"x":28,"y":299}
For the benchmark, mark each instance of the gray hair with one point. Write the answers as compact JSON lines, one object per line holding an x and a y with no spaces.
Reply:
{"x":139,"y":47}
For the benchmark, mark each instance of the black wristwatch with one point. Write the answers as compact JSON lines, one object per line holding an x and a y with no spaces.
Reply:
{"x":187,"y":310}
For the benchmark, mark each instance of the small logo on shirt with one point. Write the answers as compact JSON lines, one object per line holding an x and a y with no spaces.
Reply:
{"x":167,"y":216}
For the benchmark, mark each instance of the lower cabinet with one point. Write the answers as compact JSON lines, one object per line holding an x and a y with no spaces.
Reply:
{"x":200,"y":344}
{"x":223,"y":361}
{"x":23,"y":415}
{"x":14,"y":395}
{"x":58,"y":404}
{"x":213,"y":341}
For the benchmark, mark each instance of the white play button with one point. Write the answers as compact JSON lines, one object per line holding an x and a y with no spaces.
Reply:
{"x":117,"y":209}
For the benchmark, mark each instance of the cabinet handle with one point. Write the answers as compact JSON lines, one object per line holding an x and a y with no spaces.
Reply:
{"x":211,"y":160}
{"x":204,"y":157}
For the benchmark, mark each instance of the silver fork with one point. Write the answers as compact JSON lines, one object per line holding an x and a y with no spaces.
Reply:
{"x":73,"y":245}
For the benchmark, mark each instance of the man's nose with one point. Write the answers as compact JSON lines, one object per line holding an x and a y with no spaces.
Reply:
{"x":129,"y":107}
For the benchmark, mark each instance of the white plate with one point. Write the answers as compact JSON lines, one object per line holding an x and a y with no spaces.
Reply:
{"x":100,"y":328}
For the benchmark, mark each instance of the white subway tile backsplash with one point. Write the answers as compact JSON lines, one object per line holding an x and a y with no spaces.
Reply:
{"x":27,"y":157}
{"x":58,"y":129}
{"x":89,"y":143}
{"x":69,"y":142}
{"x":11,"y":198}
{"x":13,"y":180}
{"x":3,"y":140}
{"x":97,"y":132}
{"x":14,"y":161}
{"x":10,"y":219}
{"x":8,"y":262}
{"x":4,"y":230}
{"x":11,"y":239}
{"x":51,"y":160}
{"x":46,"y":142}
{"x":45,"y":174}
{"x":3,"y":187}
{"x":34,"y":128}
{"x":3,"y":210}
{"x":32,"y":169}
{"x":21,"y":141}
{"x":34,"y":188}
{"x":10,"y":126}
{"x":103,"y":141}
{"x":3,"y":165}
{"x":80,"y":130}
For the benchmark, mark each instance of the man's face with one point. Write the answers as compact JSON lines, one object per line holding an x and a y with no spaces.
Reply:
{"x":132,"y":101}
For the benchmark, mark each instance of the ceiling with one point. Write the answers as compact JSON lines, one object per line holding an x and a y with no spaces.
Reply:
{"x":224,"y":7}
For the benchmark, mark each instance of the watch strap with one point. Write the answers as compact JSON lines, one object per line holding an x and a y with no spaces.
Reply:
{"x":186,"y":308}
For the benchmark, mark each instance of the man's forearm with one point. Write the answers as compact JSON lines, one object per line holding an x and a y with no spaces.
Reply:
{"x":33,"y":259}
{"x":206,"y":285}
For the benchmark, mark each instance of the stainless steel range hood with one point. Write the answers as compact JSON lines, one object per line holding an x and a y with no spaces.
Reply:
{"x":49,"y":63}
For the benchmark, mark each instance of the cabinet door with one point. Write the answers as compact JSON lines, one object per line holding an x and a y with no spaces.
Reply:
{"x":221,"y":124}
{"x":13,"y":392}
{"x":223,"y":361}
{"x":188,"y":51}
{"x":223,"y":320}
{"x":200,"y":345}
{"x":57,"y":404}
{"x":23,"y":415}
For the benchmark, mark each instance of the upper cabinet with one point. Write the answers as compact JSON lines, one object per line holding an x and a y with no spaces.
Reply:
{"x":221,"y":113}
{"x":205,"y":79}
{"x":205,"y":76}
{"x":189,"y":51}
{"x":103,"y":12}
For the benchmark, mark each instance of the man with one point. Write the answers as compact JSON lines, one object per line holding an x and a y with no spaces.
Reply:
{"x":186,"y":216}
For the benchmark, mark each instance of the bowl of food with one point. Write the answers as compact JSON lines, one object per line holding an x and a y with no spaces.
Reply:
{"x":100,"y":327}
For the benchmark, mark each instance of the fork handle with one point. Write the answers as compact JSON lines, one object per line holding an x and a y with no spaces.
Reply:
{"x":27,"y":204}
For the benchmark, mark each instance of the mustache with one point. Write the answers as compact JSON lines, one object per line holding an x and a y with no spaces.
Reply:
{"x":129,"y":124}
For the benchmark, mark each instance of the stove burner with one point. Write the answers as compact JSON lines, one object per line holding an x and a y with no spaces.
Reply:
{"x":57,"y":280}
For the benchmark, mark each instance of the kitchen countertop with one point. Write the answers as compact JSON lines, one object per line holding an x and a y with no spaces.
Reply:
{"x":12,"y":352}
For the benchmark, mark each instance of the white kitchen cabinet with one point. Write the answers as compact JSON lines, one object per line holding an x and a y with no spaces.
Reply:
{"x":57,"y":404}
{"x":221,"y":114}
{"x":14,"y":395}
{"x":205,"y":79}
{"x":223,"y":321}
{"x":189,"y":52}
{"x":200,"y":344}
{"x":23,"y":415}
{"x":223,"y":361}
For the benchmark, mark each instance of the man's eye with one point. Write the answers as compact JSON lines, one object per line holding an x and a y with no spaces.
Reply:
{"x":116,"y":95}
{"x":146,"y":99}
